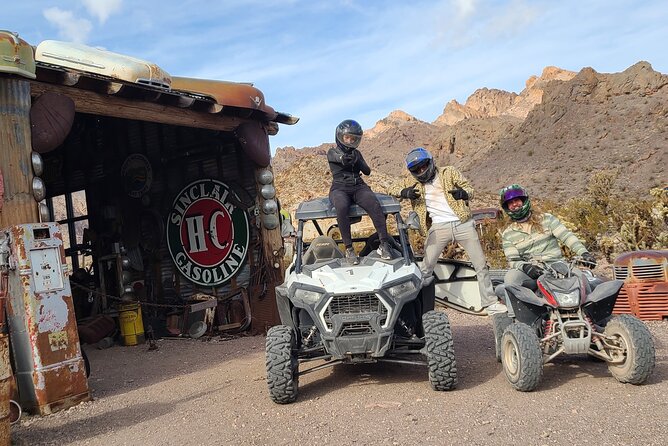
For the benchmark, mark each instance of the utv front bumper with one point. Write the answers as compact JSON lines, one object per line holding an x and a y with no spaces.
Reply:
{"x":354,"y":326}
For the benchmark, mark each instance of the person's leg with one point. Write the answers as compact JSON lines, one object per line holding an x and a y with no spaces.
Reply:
{"x":341,"y":201}
{"x":365,"y":197}
{"x":467,"y":236}
{"x":439,"y":235}
{"x":517,"y":277}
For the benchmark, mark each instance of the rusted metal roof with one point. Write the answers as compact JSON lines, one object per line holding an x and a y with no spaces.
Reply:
{"x":112,"y":84}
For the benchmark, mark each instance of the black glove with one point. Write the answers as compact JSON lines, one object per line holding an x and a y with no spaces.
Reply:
{"x":410,"y":193}
{"x":533,"y":271}
{"x":589,"y":260}
{"x":349,"y":159}
{"x":459,"y":194}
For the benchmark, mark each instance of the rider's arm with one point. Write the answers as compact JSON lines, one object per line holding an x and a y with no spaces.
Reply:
{"x":335,"y":156}
{"x":510,"y":250}
{"x":394,"y":189}
{"x":461,"y":181}
{"x":562,"y":234}
{"x":362,"y":165}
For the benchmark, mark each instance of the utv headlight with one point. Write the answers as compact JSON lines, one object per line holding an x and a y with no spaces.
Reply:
{"x":307,"y":296}
{"x":571,"y":299}
{"x":401,"y":288}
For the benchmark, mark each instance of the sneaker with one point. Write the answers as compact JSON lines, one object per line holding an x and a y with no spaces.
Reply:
{"x":495,"y":308}
{"x":385,"y":251}
{"x":351,"y":256}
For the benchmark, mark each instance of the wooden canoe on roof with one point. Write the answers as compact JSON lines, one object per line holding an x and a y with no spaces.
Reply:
{"x":238,"y":95}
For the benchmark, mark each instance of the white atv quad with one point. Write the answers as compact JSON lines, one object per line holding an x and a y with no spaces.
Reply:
{"x":375,"y":311}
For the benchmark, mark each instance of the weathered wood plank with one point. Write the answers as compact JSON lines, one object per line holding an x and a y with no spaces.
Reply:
{"x":101,"y":104}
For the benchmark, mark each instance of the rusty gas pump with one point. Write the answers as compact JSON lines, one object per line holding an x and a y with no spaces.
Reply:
{"x":48,"y":362}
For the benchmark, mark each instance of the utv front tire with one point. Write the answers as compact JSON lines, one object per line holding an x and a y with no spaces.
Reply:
{"x":282,"y":365}
{"x":637,"y":349}
{"x":440,"y":351}
{"x":521,"y":357}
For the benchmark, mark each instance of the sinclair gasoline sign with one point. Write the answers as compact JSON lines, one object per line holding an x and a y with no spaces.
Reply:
{"x":207,"y":235}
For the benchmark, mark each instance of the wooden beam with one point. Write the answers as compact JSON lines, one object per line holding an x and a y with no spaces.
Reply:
{"x":94,"y":103}
{"x":15,"y":163}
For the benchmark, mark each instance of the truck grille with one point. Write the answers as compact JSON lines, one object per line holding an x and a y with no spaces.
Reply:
{"x":640,"y":272}
{"x":355,"y":304}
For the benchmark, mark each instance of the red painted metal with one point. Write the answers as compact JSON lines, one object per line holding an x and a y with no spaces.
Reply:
{"x":645,"y":290}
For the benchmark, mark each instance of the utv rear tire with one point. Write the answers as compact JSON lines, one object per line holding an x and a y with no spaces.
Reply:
{"x":499,"y":323}
{"x":521,"y":357}
{"x":639,"y":355}
{"x":282,"y":365}
{"x":440,"y":351}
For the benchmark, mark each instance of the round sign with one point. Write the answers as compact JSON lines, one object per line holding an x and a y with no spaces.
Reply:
{"x":207,"y":235}
{"x":137,"y":175}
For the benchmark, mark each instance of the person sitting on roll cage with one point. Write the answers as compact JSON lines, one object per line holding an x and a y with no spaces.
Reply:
{"x":532,"y":233}
{"x":440,"y":196}
{"x":347,"y":164}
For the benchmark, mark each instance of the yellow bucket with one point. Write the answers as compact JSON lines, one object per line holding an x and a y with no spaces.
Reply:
{"x":132,"y":326}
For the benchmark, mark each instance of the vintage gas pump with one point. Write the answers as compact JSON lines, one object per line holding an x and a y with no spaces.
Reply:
{"x":48,"y":364}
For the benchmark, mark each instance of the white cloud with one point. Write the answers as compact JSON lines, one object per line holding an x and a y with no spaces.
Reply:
{"x":464,"y":8}
{"x":102,"y":9}
{"x":70,"y":28}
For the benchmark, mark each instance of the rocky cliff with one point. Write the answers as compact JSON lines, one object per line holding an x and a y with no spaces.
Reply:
{"x":551,"y":137}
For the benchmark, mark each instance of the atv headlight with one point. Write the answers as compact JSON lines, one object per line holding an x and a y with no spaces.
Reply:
{"x":401,"y":288}
{"x":571,"y":299}
{"x":308,"y":296}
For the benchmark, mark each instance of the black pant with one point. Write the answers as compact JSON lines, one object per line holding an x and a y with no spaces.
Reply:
{"x":342,"y":196}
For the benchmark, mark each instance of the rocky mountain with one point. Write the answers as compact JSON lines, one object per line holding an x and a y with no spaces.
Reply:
{"x":550,"y":137}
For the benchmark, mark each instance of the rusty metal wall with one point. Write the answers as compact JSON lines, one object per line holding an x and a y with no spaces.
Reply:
{"x":92,"y":157}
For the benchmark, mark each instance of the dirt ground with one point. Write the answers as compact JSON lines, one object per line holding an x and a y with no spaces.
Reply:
{"x":205,"y":392}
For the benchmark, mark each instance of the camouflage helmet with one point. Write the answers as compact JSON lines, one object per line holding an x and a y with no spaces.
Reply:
{"x":511,"y":192}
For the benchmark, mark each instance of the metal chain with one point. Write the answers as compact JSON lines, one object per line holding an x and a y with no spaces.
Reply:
{"x":118,"y":299}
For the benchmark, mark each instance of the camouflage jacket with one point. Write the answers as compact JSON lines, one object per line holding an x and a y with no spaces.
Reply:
{"x":450,"y":178}
{"x":520,"y":246}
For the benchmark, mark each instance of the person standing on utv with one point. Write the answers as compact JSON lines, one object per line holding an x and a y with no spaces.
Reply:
{"x":347,"y":164}
{"x":440,"y":196}
{"x":531,"y":234}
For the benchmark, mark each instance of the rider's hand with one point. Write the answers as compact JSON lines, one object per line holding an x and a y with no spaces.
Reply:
{"x":459,"y":194}
{"x":533,"y":271}
{"x":349,"y":159}
{"x":589,"y":260}
{"x":410,"y":193}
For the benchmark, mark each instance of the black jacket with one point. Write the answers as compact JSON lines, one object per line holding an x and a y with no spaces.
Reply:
{"x":346,"y":171}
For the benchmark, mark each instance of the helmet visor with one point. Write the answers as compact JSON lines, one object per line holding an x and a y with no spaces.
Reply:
{"x":419,"y":166}
{"x":351,"y":140}
{"x":513,"y":193}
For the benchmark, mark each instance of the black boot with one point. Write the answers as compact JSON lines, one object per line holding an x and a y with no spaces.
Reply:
{"x":351,"y":256}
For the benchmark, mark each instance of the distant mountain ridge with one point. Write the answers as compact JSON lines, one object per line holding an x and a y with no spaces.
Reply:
{"x":550,"y":137}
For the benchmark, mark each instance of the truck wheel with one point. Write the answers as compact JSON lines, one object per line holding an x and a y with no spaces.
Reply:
{"x":440,"y":351}
{"x":499,"y":323}
{"x":282,"y":365}
{"x":521,"y":357}
{"x":637,"y":349}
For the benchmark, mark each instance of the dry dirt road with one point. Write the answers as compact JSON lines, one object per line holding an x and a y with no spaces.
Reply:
{"x":195,"y":392}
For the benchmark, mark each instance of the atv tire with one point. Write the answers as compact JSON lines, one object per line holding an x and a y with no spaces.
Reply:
{"x":440,"y":351}
{"x":521,"y":357}
{"x":499,"y":323}
{"x":638,"y":349}
{"x":282,"y":365}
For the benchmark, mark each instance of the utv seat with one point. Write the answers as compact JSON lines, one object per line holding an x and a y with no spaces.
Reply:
{"x":322,"y":248}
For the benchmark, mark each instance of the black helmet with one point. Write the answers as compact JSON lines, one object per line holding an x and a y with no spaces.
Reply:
{"x":352,"y":130}
{"x":512,"y":192}
{"x":416,"y":160}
